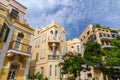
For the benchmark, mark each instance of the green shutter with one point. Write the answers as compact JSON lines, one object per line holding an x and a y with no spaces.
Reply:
{"x":2,"y":28}
{"x":6,"y":35}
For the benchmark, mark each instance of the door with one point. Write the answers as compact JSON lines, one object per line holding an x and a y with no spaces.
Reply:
{"x":12,"y":72}
{"x":17,"y":45}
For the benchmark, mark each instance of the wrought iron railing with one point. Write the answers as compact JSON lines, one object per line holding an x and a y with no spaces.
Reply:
{"x":21,"y":47}
{"x":53,"y":57}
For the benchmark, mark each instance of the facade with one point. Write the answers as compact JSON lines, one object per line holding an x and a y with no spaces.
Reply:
{"x":74,"y":45}
{"x":101,"y":35}
{"x":48,"y":47}
{"x":15,"y":41}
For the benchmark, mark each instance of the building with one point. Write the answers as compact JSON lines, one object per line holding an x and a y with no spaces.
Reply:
{"x":15,"y":41}
{"x":101,"y":35}
{"x":48,"y":47}
{"x":74,"y":45}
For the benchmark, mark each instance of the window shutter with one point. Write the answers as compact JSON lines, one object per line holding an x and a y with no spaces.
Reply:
{"x":6,"y":35}
{"x":2,"y":29}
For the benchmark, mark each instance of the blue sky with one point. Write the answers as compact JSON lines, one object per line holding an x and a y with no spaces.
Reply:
{"x":74,"y":15}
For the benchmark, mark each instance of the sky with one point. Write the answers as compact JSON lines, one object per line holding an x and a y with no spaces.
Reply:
{"x":73,"y":15}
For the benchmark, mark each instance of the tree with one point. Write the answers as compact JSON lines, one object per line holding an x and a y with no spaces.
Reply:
{"x":103,"y":60}
{"x":94,"y":56}
{"x":113,"y":55}
{"x":72,"y":64}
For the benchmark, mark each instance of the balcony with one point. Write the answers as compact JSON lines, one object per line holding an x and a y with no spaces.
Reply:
{"x":106,"y":38}
{"x":107,"y":46}
{"x":20,"y":48}
{"x":53,"y":57}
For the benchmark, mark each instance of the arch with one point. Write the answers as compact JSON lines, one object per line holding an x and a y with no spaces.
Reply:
{"x":56,"y":33}
{"x":51,"y":32}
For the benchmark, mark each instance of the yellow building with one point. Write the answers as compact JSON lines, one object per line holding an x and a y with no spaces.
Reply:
{"x":101,"y":35}
{"x":15,"y":41}
{"x":48,"y":47}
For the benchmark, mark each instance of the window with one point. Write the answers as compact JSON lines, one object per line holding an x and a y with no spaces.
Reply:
{"x":14,"y":14}
{"x":42,"y":70}
{"x":88,"y":32}
{"x":84,"y":37}
{"x":56,"y":70}
{"x":50,"y":70}
{"x":37,"y":56}
{"x":42,"y":54}
{"x":99,"y":29}
{"x":107,"y":43}
{"x":108,"y":35}
{"x":78,"y":48}
{"x":113,"y":36}
{"x":104,"y":35}
{"x":89,"y":75}
{"x":100,"y":34}
{"x":12,"y":72}
{"x":81,"y":48}
{"x":102,"y":42}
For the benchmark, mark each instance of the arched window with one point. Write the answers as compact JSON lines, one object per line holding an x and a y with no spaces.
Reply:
{"x":51,"y":32}
{"x":56,"y":32}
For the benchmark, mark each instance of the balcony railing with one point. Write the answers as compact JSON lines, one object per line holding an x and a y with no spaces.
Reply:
{"x":53,"y":39}
{"x":106,"y":37}
{"x":21,"y":47}
{"x":53,"y":57}
{"x":107,"y":46}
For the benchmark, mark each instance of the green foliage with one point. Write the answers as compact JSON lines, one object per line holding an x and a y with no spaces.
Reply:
{"x":93,"y":53}
{"x":38,"y":76}
{"x":72,"y":64}
{"x":114,"y":31}
{"x":94,"y":56}
{"x":113,"y":57}
{"x":104,"y":60}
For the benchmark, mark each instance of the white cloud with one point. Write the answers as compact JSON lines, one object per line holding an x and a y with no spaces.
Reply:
{"x":74,"y":15}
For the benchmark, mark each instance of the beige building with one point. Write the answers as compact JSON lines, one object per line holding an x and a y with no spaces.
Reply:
{"x":15,"y":41}
{"x":48,"y":47}
{"x":101,"y":35}
{"x":74,"y":45}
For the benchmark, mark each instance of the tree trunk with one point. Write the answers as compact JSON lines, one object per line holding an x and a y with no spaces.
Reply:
{"x":104,"y":77}
{"x":79,"y":75}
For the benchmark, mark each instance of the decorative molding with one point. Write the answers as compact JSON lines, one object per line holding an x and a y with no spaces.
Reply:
{"x":7,"y":67}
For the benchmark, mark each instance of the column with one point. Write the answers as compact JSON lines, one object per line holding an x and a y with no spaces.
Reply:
{"x":53,"y":48}
{"x":5,"y":47}
{"x":27,"y":67}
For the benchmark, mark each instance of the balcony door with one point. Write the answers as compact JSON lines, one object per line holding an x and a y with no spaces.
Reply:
{"x":12,"y":72}
{"x":17,"y":45}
